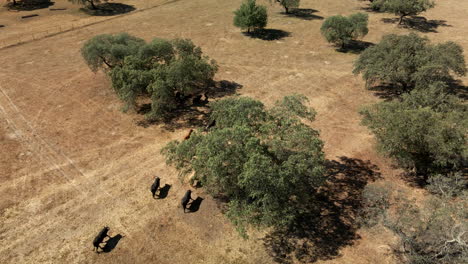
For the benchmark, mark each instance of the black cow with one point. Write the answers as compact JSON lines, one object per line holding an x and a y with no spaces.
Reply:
{"x":155,"y":186}
{"x":186,"y":199}
{"x":100,"y":238}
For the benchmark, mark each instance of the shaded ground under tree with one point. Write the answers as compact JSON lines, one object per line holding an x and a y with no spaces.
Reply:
{"x":418,"y":23}
{"x":314,"y":238}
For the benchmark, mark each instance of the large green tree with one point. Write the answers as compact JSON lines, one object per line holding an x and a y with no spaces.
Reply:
{"x":266,"y":162}
{"x":402,"y":8}
{"x":341,"y":30}
{"x":407,"y":61}
{"x":164,"y":70}
{"x":425,"y":131}
{"x":250,"y":16}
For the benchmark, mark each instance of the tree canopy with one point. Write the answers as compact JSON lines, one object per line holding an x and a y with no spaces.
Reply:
{"x":402,"y":8}
{"x":425,"y":131}
{"x":250,"y":16}
{"x":341,"y":30}
{"x":163,"y":70}
{"x":266,"y":162}
{"x":408,"y":61}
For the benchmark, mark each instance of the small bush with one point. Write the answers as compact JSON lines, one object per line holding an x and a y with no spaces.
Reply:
{"x":250,"y":16}
{"x":342,"y":30}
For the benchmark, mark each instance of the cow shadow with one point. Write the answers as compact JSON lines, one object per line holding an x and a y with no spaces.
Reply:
{"x":310,"y":238}
{"x":111,"y":243}
{"x":164,"y":191}
{"x":109,"y":9}
{"x":268,"y":34}
{"x":303,"y":13}
{"x":418,"y":23}
{"x":355,"y":47}
{"x":195,"y":205}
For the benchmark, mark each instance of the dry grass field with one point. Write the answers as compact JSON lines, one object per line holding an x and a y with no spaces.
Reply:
{"x":72,"y":162}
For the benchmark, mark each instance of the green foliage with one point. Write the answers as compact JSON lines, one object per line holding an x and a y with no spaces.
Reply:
{"x":402,"y":8}
{"x":409,"y":61}
{"x":250,"y":16}
{"x":342,"y":30}
{"x":288,"y":4}
{"x":425,"y":131}
{"x":266,"y":162}
{"x":162,"y":69}
{"x":106,"y":51}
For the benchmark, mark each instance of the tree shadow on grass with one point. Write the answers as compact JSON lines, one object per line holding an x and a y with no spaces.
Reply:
{"x":109,"y":9}
{"x":303,"y":13}
{"x":457,"y":88}
{"x":330,"y":225}
{"x":356,"y":47}
{"x":29,"y":5}
{"x":268,"y":34}
{"x":190,"y":114}
{"x":386,"y":92}
{"x":418,"y":23}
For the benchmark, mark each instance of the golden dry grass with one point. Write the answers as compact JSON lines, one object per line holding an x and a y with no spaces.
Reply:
{"x":71,"y":161}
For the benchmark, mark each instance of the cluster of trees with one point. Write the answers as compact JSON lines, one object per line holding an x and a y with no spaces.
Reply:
{"x":265,"y":162}
{"x":402,"y":8}
{"x":168,"y":72}
{"x":341,"y":30}
{"x":424,"y":129}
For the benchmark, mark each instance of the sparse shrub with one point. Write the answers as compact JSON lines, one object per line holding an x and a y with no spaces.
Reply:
{"x":288,"y":4}
{"x":452,"y":184}
{"x":250,"y":16}
{"x":425,"y":131}
{"x":375,"y":203}
{"x":342,"y":30}
{"x":408,"y":61}
{"x":402,"y":8}
{"x":88,"y":3}
{"x":167,"y":71}
{"x":265,"y":162}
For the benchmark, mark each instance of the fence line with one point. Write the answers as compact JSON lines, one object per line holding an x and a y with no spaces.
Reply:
{"x":4,"y":44}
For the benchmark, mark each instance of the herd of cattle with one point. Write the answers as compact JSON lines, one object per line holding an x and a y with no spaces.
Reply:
{"x":155,"y":187}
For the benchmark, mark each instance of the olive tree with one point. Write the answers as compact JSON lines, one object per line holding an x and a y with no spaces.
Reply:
{"x":166,"y":71}
{"x":341,"y":30}
{"x":425,"y":131}
{"x":407,"y":61}
{"x":288,"y":4}
{"x":250,"y":16}
{"x":402,"y":8}
{"x":265,"y":162}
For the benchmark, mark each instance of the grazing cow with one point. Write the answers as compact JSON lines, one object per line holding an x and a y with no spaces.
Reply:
{"x":188,"y":134}
{"x":197,"y":99}
{"x":186,"y":199}
{"x":100,"y":238}
{"x":211,"y":124}
{"x":155,"y":186}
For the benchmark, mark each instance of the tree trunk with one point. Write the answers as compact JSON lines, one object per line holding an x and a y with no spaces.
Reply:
{"x":287,"y":10}
{"x":14,"y":2}
{"x":248,"y":30}
{"x":92,"y":4}
{"x":401,"y":19}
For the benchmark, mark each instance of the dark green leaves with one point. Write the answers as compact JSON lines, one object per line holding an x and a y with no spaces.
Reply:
{"x":267,"y":163}
{"x":342,"y":30}
{"x":250,"y":16}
